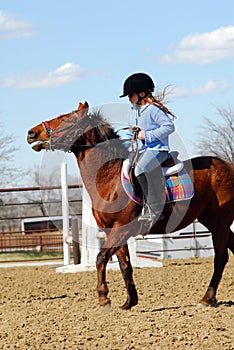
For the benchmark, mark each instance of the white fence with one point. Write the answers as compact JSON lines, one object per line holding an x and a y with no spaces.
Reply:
{"x":193,"y":241}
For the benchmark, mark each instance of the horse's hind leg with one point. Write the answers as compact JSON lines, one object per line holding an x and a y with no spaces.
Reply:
{"x":231,"y":242}
{"x":220,"y":262}
{"x":126,"y":269}
{"x":220,"y":236}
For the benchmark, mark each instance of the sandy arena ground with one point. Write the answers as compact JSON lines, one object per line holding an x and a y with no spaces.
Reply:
{"x":43,"y":310}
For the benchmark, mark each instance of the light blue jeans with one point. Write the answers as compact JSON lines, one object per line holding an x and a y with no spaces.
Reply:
{"x":149,"y":160}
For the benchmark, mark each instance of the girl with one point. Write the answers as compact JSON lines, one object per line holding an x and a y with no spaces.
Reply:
{"x":151,"y":117}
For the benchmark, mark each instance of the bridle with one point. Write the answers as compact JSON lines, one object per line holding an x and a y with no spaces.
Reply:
{"x":64,"y":137}
{"x":46,"y":127}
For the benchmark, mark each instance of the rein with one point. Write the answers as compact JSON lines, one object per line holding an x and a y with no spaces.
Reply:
{"x":134,"y":141}
{"x":63,"y":138}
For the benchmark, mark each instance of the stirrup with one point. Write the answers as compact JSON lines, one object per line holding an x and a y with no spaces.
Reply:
{"x":148,"y":216}
{"x":145,"y":217}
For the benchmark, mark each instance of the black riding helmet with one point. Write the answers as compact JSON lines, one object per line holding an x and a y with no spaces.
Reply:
{"x":137,"y":83}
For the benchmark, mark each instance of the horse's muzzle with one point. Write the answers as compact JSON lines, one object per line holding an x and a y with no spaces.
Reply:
{"x":31,"y":134}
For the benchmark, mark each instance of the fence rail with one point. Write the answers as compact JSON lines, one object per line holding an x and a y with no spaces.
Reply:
{"x":46,"y":243}
{"x":35,"y":188}
{"x":13,"y":209}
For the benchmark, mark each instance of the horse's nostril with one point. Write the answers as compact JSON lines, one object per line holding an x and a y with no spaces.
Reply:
{"x":31,"y":133}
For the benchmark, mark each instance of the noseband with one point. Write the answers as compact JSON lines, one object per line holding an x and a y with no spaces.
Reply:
{"x":47,"y":128}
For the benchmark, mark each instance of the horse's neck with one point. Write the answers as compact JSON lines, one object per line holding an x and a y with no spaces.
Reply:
{"x":99,"y":172}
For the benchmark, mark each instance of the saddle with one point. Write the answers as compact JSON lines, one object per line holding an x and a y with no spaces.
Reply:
{"x":178,"y":185}
{"x":172,"y":165}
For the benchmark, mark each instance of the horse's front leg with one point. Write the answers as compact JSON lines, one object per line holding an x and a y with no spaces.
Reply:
{"x":116,"y":243}
{"x":101,"y":262}
{"x":126,"y":269}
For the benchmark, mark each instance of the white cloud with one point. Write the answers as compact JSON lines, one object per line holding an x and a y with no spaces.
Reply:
{"x":203,"y":48}
{"x":209,"y":86}
{"x":67,"y":73}
{"x":12,"y":28}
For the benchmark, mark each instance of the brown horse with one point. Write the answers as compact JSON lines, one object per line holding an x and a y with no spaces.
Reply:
{"x":100,"y":154}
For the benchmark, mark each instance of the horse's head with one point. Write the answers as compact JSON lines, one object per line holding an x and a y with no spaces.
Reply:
{"x":60,"y":132}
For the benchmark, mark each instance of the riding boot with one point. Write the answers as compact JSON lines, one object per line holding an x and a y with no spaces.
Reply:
{"x":152,"y":185}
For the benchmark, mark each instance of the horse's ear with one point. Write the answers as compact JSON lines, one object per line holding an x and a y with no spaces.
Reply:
{"x":83,"y":109}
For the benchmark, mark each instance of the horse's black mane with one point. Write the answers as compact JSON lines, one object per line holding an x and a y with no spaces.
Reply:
{"x":103,"y":127}
{"x":105,"y":136}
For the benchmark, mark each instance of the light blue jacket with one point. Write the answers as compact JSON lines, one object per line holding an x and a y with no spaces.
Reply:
{"x":156,"y":124}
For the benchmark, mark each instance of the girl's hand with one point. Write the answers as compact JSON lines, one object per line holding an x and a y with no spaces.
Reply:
{"x":141,"y":135}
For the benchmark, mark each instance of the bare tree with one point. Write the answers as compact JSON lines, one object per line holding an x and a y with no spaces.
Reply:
{"x":10,"y":174}
{"x":48,"y":200}
{"x":218,"y":138}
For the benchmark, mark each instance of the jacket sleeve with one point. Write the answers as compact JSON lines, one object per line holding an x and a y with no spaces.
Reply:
{"x":164,"y":129}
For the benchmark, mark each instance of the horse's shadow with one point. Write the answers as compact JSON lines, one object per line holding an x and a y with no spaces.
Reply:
{"x":226,"y":303}
{"x":162,"y":309}
{"x":220,"y":303}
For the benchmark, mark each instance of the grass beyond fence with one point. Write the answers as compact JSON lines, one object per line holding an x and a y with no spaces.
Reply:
{"x":24,"y":256}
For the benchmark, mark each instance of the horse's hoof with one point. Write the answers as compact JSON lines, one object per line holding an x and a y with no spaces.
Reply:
{"x":128,"y":305}
{"x":125,"y":307}
{"x":209,"y":298}
{"x":201,"y":305}
{"x":106,"y":308}
{"x":206,"y":303}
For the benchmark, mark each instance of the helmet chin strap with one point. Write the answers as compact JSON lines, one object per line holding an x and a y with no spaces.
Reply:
{"x":140,"y":98}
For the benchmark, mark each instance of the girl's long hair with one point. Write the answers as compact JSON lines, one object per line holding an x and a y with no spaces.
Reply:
{"x":157,"y":101}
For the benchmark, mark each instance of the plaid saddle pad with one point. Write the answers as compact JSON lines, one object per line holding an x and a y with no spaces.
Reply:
{"x":177,"y":187}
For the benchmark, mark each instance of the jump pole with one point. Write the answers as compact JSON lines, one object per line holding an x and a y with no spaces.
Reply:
{"x":65,"y":212}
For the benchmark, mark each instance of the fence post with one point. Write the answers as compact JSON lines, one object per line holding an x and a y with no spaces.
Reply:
{"x":75,"y":241}
{"x":41,"y":244}
{"x":65,"y":210}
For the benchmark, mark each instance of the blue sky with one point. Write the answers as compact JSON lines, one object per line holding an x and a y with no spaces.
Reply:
{"x":56,"y":53}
